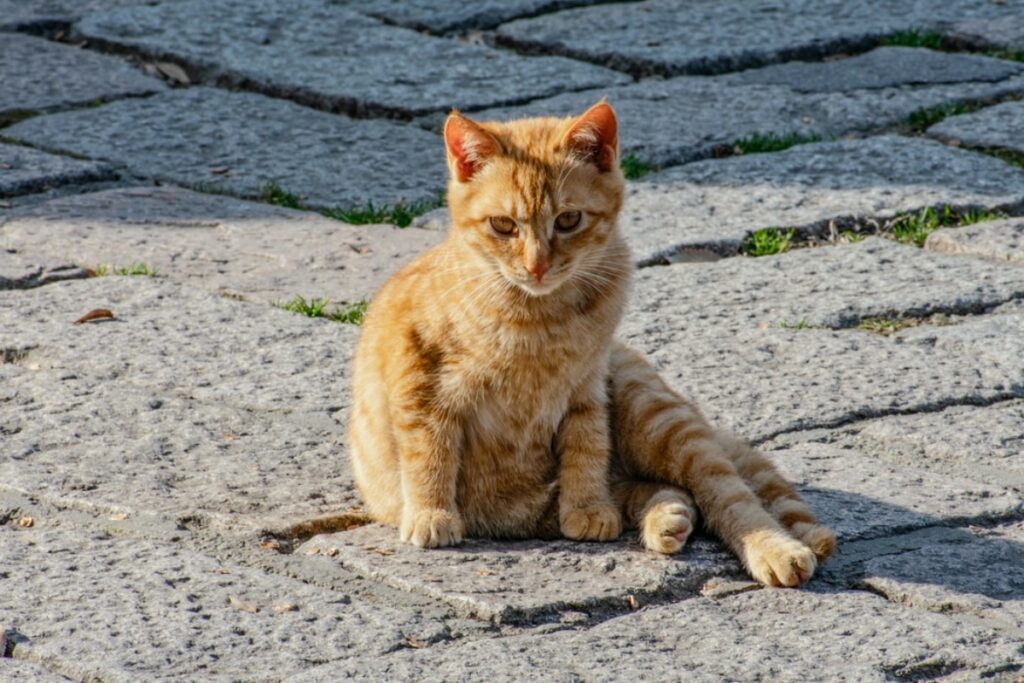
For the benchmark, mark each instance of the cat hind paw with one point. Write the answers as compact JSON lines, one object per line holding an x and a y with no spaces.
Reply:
{"x":432,"y":528}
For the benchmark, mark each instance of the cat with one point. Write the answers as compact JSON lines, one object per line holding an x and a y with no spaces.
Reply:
{"x":491,"y":398}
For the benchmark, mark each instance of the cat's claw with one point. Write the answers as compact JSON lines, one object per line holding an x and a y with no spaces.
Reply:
{"x":776,"y":559}
{"x":432,"y":528}
{"x":592,"y":523}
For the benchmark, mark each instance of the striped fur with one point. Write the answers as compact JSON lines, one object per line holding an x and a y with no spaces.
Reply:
{"x":491,"y":399}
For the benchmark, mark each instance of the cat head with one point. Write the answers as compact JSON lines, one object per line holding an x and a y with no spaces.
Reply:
{"x":536,"y":199}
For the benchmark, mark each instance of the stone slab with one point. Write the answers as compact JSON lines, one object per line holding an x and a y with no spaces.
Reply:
{"x":996,"y":241}
{"x":40,"y":75}
{"x":666,"y":122}
{"x":27,"y":672}
{"x":20,"y":272}
{"x":1000,"y":126}
{"x":247,"y":250}
{"x":39,"y":15}
{"x":27,"y":170}
{"x":849,"y":184}
{"x":238,"y":142}
{"x":317,"y":52}
{"x":1005,"y":32}
{"x":780,"y":635}
{"x":427,"y":15}
{"x":660,"y":37}
{"x":94,"y":606}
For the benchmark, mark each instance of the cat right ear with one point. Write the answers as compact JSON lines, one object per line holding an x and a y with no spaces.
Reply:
{"x":469,"y":146}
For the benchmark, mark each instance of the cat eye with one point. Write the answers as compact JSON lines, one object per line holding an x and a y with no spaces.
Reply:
{"x":567,"y":221}
{"x":503,"y":225}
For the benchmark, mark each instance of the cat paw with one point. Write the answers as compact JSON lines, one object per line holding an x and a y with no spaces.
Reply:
{"x":820,"y":539}
{"x":602,"y":522}
{"x":432,"y":528}
{"x":666,"y":527}
{"x":776,"y":559}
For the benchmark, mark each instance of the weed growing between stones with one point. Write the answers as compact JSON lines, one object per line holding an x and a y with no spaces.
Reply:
{"x":890,"y":326}
{"x":400,"y":214}
{"x":633,"y":168}
{"x":351,"y":314}
{"x":801,"y":324}
{"x":915,"y":38}
{"x":914,"y":227}
{"x":767,"y":241}
{"x":929,"y":116}
{"x":759,"y":144}
{"x":16,"y":116}
{"x":140,"y":268}
{"x":273,"y":194}
{"x":1010,"y":156}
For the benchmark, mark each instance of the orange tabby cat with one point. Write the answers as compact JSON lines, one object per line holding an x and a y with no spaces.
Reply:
{"x":491,"y":398}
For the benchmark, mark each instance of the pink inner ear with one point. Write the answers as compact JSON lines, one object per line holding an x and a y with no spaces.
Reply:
{"x":595,"y":135}
{"x":468,"y":144}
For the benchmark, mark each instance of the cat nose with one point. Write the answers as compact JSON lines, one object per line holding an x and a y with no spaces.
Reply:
{"x":538,"y":268}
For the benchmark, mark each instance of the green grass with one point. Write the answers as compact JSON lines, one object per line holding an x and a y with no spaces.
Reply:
{"x":915,"y":226}
{"x":851,"y":237}
{"x":767,"y":241}
{"x":272,"y":193}
{"x":633,"y":168}
{"x":318,"y":308}
{"x":758,"y":144}
{"x":1008,"y":54}
{"x":400,"y":214}
{"x":928,"y":116}
{"x":801,"y":324}
{"x":886,"y":326}
{"x":140,"y":268}
{"x":1010,"y":156}
{"x":915,"y":38}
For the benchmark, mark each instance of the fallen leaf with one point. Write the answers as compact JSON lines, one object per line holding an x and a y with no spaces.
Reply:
{"x":331,"y":552}
{"x":313,"y":550}
{"x":243,"y":605}
{"x":379,"y":550}
{"x":118,"y":516}
{"x":26,"y":522}
{"x":484,"y":572}
{"x":631,"y":601}
{"x":270,"y":544}
{"x":173,"y":72}
{"x":285,"y":607}
{"x":96,"y":314}
{"x":416,"y":643}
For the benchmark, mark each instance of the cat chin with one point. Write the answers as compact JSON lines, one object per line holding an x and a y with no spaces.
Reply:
{"x":537,"y":290}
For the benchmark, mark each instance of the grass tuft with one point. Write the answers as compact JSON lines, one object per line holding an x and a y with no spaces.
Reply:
{"x":927,"y":117}
{"x":767,"y":241}
{"x":915,"y":38}
{"x":351,"y":314}
{"x":273,"y":194}
{"x":758,"y":144}
{"x":140,"y":268}
{"x":400,"y":214}
{"x":633,"y":168}
{"x":886,"y":326}
{"x":914,"y":227}
{"x":801,"y":324}
{"x":1010,"y":156}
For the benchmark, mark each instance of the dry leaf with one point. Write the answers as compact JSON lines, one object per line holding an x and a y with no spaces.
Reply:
{"x":26,"y":522}
{"x":270,"y":544}
{"x":631,"y":601}
{"x":379,"y":550}
{"x":118,"y":516}
{"x":96,"y":314}
{"x":285,"y":607}
{"x":416,"y":643}
{"x":331,"y":552}
{"x":313,"y":550}
{"x":238,"y":603}
{"x":173,"y":72}
{"x":484,"y":572}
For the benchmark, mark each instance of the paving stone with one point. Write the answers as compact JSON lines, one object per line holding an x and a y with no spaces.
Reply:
{"x":997,"y":240}
{"x":20,"y":272}
{"x":660,"y":37}
{"x":666,"y":122}
{"x":1005,"y":32}
{"x":776,"y":635}
{"x":999,"y":126}
{"x":238,"y":142}
{"x":316,"y":52}
{"x":125,"y":609}
{"x":19,"y":15}
{"x":437,"y":17}
{"x":39,"y":75}
{"x":27,"y":672}
{"x":246,"y":250}
{"x":28,"y":170}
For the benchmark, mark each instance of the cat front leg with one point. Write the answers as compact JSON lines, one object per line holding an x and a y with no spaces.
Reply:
{"x":586,"y":509}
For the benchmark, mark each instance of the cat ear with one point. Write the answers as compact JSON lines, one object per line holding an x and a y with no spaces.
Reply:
{"x":469,"y":145}
{"x":594,"y":136}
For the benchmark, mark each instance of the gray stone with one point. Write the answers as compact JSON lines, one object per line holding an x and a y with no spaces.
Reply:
{"x":28,"y":170}
{"x":1000,"y":126}
{"x":238,"y":142}
{"x":660,"y":37}
{"x":245,"y":250}
{"x":845,"y":184}
{"x":20,"y":272}
{"x":684,"y":119}
{"x":1005,"y":32}
{"x":27,"y":672}
{"x":316,"y":52}
{"x":93,"y":606}
{"x":19,"y":15}
{"x":995,"y":240}
{"x":39,"y":75}
{"x":438,"y":17}
{"x":776,"y":635}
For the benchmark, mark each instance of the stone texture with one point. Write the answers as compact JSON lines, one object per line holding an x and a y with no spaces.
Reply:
{"x":238,"y":142}
{"x":20,"y":272}
{"x":27,"y":672}
{"x":126,"y":609}
{"x":1005,"y":32}
{"x":996,"y":240}
{"x":428,"y":15}
{"x":665,"y":122}
{"x":39,"y":75}
{"x":28,"y":170}
{"x":316,"y":52}
{"x":19,"y":15}
{"x":660,"y":37}
{"x":246,"y":250}
{"x":999,"y":126}
{"x":767,"y":634}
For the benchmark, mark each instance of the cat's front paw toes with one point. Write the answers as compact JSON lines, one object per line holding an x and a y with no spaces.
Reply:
{"x":432,"y":528}
{"x":592,"y":523}
{"x":776,"y":559}
{"x":666,"y":527}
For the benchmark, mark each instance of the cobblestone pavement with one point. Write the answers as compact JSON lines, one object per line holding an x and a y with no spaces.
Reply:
{"x":826,"y":206}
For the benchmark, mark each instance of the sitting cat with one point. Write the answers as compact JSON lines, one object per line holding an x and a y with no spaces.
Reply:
{"x":491,"y":398}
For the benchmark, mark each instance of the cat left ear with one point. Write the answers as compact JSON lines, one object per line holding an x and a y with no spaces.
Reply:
{"x":469,"y":145}
{"x":594,"y":136}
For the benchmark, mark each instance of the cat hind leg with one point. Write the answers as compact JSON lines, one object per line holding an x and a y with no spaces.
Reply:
{"x":664,"y":515}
